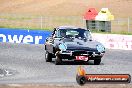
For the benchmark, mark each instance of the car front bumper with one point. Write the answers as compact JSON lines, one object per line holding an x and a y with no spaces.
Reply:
{"x":72,"y":54}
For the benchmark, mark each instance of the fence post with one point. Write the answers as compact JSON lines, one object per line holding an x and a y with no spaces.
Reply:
{"x":84,"y":22}
{"x":128,"y":24}
{"x":41,"y":22}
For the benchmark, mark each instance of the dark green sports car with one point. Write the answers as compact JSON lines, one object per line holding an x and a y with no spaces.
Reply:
{"x":73,"y":43}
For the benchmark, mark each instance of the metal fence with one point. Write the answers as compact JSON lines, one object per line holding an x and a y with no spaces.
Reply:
{"x":49,"y":22}
{"x":122,"y":25}
{"x":38,"y":22}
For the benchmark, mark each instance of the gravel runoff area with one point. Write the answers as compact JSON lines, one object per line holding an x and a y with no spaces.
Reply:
{"x":27,"y":65}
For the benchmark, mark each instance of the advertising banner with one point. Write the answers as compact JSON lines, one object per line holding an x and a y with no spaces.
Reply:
{"x":23,"y":36}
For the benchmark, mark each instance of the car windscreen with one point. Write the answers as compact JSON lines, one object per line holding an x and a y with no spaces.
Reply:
{"x":77,"y":33}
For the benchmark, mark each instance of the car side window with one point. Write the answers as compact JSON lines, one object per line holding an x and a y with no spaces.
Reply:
{"x":56,"y":33}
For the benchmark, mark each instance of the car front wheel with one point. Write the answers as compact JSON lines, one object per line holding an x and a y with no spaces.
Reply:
{"x":58,"y":60}
{"x":97,"y":61}
{"x":48,"y":56}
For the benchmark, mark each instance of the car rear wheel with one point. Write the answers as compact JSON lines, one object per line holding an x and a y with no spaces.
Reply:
{"x":48,"y":56}
{"x":97,"y":61}
{"x":58,"y":60}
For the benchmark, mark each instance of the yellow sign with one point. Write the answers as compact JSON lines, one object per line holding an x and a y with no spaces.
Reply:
{"x":104,"y":15}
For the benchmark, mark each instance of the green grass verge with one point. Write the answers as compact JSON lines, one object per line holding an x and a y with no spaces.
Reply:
{"x":50,"y":29}
{"x":25,"y":28}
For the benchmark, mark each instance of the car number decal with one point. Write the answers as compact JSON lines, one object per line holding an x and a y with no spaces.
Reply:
{"x":84,"y":58}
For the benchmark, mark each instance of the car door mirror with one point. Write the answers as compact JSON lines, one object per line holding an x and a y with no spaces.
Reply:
{"x":49,"y":38}
{"x":46,"y":39}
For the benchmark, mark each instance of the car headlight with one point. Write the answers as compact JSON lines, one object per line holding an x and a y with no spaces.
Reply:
{"x":100,"y":48}
{"x":62,"y":47}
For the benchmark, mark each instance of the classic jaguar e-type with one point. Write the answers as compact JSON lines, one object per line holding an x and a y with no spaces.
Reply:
{"x":73,"y":43}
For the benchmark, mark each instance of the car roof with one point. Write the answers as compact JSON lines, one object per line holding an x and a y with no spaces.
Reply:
{"x":70,"y":27}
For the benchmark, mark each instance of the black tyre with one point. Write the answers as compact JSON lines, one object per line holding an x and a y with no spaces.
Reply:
{"x":97,"y":61}
{"x":58,"y":60}
{"x":81,"y":80}
{"x":48,"y":56}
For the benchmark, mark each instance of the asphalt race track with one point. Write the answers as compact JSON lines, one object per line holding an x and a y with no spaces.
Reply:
{"x":26,"y":64}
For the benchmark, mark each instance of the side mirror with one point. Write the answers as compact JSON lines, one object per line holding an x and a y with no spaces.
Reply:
{"x":46,"y":39}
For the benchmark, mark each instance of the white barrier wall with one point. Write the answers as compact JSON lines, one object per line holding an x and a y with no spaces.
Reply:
{"x":114,"y":41}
